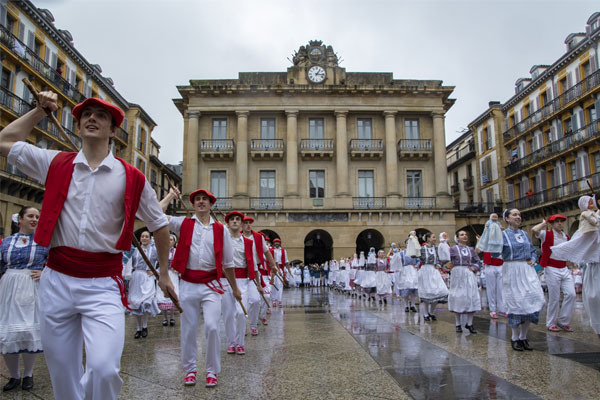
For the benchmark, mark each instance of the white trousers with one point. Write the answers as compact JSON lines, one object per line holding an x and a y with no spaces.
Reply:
{"x":77,"y":312}
{"x":228,"y":306}
{"x":493,"y":283}
{"x":254,"y":302}
{"x":557,"y":280}
{"x":196,"y":299}
{"x":268,"y":293}
{"x":277,"y":290}
{"x":236,"y":327}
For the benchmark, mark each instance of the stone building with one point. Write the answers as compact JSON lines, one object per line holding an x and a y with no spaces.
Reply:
{"x":330,"y":161}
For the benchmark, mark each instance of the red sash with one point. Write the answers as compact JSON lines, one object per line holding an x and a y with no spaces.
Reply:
{"x":206,"y":277}
{"x":546,"y":261}
{"x":86,"y":264}
{"x":182,"y":253}
{"x":241,"y":273}
{"x":489,"y":260}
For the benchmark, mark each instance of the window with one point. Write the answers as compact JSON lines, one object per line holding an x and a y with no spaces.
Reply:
{"x":414,"y":184}
{"x":585,"y":70}
{"x":573,"y":169}
{"x":267,"y":128}
{"x":568,"y":126}
{"x":315,"y":128}
{"x":365,"y":184}
{"x":141,"y":165}
{"x":364,"y":128}
{"x":316,"y":184}
{"x":526,"y":110}
{"x":552,"y":178}
{"x":543,"y":99}
{"x":5,"y":82}
{"x":267,"y":184}
{"x":153,"y":176}
{"x":219,"y":129}
{"x":141,"y":139}
{"x":411,"y":128}
{"x":218,"y":185}
{"x":592,"y":114}
{"x":597,"y":162}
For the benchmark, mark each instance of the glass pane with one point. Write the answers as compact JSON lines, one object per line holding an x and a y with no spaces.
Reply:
{"x":267,"y":183}
{"x":267,"y":128}
{"x":315,"y":128}
{"x":411,"y":127}
{"x":219,"y":130}
{"x":365,"y":130}
{"x":413,"y":179}
{"x":217,"y":183}
{"x":365,"y":184}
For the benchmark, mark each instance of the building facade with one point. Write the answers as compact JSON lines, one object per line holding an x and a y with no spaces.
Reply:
{"x":330,"y":161}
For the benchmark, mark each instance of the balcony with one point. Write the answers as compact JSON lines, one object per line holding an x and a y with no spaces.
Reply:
{"x":316,"y":149}
{"x":460,"y":156}
{"x":216,"y":149}
{"x":414,"y":149}
{"x":468,"y":183}
{"x":15,"y":183}
{"x":559,"y":103}
{"x":419,"y":203}
{"x":479,"y":208}
{"x":266,"y":149}
{"x":454,"y":189}
{"x":266,"y":203}
{"x":366,"y":149}
{"x":123,"y":136}
{"x":368,"y":203}
{"x":222,"y":203}
{"x":24,"y":53}
{"x":571,"y":142}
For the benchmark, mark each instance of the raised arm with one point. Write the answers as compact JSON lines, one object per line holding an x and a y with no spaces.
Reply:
{"x":173,"y":194}
{"x":538,"y":228}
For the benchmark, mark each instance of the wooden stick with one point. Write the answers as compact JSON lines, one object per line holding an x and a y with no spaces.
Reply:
{"x":258,"y":287}
{"x":593,"y":193}
{"x":138,"y":246}
{"x":51,"y":116}
{"x":187,"y":210}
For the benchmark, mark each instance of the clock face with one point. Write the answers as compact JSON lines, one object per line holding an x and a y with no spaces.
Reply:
{"x":316,"y":74}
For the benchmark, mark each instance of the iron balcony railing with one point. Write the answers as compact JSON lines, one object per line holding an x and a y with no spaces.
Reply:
{"x":419,"y":203}
{"x":368,"y":203}
{"x":454,"y":189}
{"x":468,"y":182}
{"x":414,"y":145}
{"x":366,"y":144}
{"x":575,"y":92}
{"x":12,"y":170}
{"x":216,"y":145}
{"x":581,"y":135}
{"x":123,"y":135}
{"x":266,"y":145}
{"x":31,"y":58}
{"x":266,"y":203}
{"x":316,"y":144}
{"x":222,"y":203}
{"x":479,"y":208}
{"x":461,"y":153}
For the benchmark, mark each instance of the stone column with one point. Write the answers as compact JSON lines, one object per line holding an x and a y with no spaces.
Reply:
{"x":391,"y":154}
{"x":341,"y":153}
{"x":192,"y":161}
{"x":291,"y":155}
{"x":439,"y":154}
{"x":241,"y":155}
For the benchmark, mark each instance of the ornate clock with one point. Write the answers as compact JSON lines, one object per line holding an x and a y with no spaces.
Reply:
{"x":316,"y":74}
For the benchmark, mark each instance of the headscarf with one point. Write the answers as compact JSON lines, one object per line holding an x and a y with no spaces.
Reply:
{"x":505,"y":214}
{"x":442,"y":236}
{"x":583,"y":202}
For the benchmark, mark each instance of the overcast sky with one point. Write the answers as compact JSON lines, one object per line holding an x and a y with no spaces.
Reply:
{"x":481,"y":47}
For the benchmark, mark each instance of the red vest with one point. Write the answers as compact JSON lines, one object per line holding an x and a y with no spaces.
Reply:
{"x":489,"y":260}
{"x":258,"y":244}
{"x":57,"y":189}
{"x":546,"y":261}
{"x":282,"y":263}
{"x":182,"y":252}
{"x":243,"y":273}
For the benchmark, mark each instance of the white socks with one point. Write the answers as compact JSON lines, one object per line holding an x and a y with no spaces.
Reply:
{"x":524,"y":329}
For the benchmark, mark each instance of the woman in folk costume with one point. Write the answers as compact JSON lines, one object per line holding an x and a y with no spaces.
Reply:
{"x":21,"y":263}
{"x":383,"y":278}
{"x":409,"y":280}
{"x":142,"y":288}
{"x":521,"y":288}
{"x":413,"y":247}
{"x":490,"y":244}
{"x":164,"y":303}
{"x":463,"y":296}
{"x":360,"y":272}
{"x":352,"y":273}
{"x":395,"y":266}
{"x":432,"y":289}
{"x":307,"y":275}
{"x":345,"y":275}
{"x":369,"y":283}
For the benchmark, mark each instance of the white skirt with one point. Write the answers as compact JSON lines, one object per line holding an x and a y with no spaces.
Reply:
{"x":383,"y":283}
{"x":409,"y":278}
{"x":591,"y":294}
{"x":431,"y":285}
{"x":582,"y":248}
{"x":344,"y":278}
{"x":142,"y":293}
{"x":165,"y":303}
{"x":521,"y":289}
{"x":306,"y":277}
{"x":369,"y":280}
{"x":360,"y":274}
{"x":463,"y":296}
{"x":352,"y":273}
{"x":19,"y":312}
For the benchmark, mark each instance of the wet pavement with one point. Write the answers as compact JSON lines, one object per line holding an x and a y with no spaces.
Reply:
{"x":326,"y":345}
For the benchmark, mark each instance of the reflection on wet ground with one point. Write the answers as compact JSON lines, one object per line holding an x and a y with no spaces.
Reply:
{"x":326,"y":345}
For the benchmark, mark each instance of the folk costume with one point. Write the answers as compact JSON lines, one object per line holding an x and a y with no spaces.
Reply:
{"x":258,"y":309}
{"x":432,"y":289}
{"x":408,"y":283}
{"x":463,"y":296}
{"x":493,"y":283}
{"x":281,"y":259}
{"x":165,"y":304}
{"x":142,"y":289}
{"x":383,"y":281}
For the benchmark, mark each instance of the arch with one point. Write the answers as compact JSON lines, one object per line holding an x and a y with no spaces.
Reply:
{"x":421,"y":234}
{"x":318,"y":247}
{"x":272,"y":235}
{"x":369,"y":238}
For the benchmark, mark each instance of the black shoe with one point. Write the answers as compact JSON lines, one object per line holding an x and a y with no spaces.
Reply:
{"x":526,"y":345}
{"x":12,"y":383}
{"x":172,"y":322}
{"x":406,"y":309}
{"x":137,"y":335}
{"x":413,"y":309}
{"x":433,"y":317}
{"x":165,"y":322}
{"x":471,"y":329}
{"x":516,"y":345}
{"x":458,"y":329}
{"x":380,"y":301}
{"x":144,"y":332}
{"x":385,"y":301}
{"x":27,"y":383}
{"x":426,"y":318}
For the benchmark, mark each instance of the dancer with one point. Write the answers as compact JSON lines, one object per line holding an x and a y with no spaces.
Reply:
{"x":557,"y":275}
{"x":86,"y":230}
{"x":409,"y":280}
{"x":21,"y":263}
{"x":413,"y":247}
{"x":521,"y":288}
{"x":164,"y":302}
{"x":432,"y":289}
{"x":281,"y":259}
{"x":463,"y":296}
{"x":382,"y":278}
{"x":490,"y":243}
{"x":368,"y":283}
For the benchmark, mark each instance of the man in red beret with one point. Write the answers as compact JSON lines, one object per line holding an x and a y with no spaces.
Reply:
{"x":90,"y":204}
{"x":558,"y":277}
{"x":281,"y":259}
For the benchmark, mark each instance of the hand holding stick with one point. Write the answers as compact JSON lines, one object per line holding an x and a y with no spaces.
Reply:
{"x":258,"y":288}
{"x":187,"y":210}
{"x":238,"y":300}
{"x":593,"y":193}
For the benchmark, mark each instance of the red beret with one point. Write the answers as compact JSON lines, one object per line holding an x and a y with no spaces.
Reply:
{"x":557,"y":216}
{"x":114,"y":111}
{"x":205,"y":192}
{"x":232,"y":214}
{"x":248,"y":219}
{"x":276,"y":240}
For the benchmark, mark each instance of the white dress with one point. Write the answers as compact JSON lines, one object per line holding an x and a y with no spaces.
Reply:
{"x":431,"y":285}
{"x":142,"y":287}
{"x":591,"y":294}
{"x":165,"y":303}
{"x":383,"y":281}
{"x":463,"y":296}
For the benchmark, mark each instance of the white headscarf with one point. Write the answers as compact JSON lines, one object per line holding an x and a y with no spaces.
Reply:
{"x":583,"y":202}
{"x":442,"y":236}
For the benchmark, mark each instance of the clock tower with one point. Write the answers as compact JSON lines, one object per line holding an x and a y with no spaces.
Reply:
{"x":316,"y":64}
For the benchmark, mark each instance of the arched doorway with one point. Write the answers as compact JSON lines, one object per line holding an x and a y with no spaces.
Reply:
{"x":421,"y":234}
{"x":369,"y":238}
{"x":271,"y":235}
{"x":318,"y":247}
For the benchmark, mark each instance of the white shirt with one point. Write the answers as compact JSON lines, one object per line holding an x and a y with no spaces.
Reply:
{"x":277,"y":256}
{"x":558,"y":237}
{"x":255,"y":254}
{"x":202,"y":250}
{"x":239,"y":252}
{"x":92,"y":216}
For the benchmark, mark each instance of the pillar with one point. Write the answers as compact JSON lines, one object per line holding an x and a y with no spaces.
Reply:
{"x":291,"y":155}
{"x":341,"y":153}
{"x":191,"y":163}
{"x":439,"y":154}
{"x":391,"y":154}
{"x":241,"y":155}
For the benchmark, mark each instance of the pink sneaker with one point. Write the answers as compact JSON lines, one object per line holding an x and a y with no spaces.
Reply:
{"x":553,"y":328}
{"x":280,"y":304}
{"x":274,"y":304}
{"x":211,"y":380}
{"x":494,"y":315}
{"x":268,"y":311}
{"x":566,"y":328}
{"x":231,"y":350}
{"x":240,"y":350}
{"x":265,"y":322}
{"x":254,"y":332}
{"x":190,"y":379}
